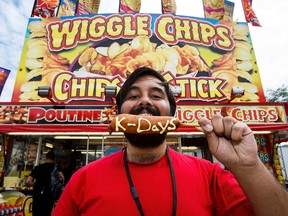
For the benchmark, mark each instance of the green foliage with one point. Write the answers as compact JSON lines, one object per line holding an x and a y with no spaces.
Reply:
{"x":277,"y":95}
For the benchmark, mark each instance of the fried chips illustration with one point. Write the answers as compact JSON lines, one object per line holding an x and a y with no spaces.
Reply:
{"x":41,"y":64}
{"x":141,"y":51}
{"x":237,"y":65}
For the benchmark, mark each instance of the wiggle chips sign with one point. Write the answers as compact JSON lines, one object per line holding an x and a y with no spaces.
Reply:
{"x":78,"y":56}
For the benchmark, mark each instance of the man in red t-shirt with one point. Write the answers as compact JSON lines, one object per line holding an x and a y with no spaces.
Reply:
{"x":149,"y":178}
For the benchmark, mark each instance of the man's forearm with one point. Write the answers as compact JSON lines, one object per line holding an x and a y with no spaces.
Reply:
{"x":266,"y":195}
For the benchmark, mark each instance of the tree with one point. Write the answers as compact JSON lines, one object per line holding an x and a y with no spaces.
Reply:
{"x":277,"y":95}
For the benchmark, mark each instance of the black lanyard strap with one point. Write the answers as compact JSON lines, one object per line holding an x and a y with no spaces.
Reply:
{"x":132,"y":188}
{"x":134,"y":191}
{"x":173,"y":183}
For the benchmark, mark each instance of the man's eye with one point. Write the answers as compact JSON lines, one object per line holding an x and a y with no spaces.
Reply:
{"x":156,"y":96}
{"x":131,"y":97}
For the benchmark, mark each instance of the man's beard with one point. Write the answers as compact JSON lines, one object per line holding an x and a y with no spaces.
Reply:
{"x":145,"y":140}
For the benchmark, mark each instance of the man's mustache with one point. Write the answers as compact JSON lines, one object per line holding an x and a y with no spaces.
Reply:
{"x":150,"y":109}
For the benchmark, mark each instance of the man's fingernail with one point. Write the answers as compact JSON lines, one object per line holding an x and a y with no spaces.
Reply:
{"x":208,"y":127}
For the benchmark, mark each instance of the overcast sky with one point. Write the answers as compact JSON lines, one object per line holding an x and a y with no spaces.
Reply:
{"x":269,"y":41}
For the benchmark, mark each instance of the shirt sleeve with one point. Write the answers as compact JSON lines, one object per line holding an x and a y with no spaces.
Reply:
{"x":34,"y":172}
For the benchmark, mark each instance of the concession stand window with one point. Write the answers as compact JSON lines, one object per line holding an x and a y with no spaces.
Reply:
{"x":95,"y":147}
{"x":23,"y":152}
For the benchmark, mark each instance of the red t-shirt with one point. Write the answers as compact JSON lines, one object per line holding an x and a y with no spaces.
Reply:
{"x":203,"y":188}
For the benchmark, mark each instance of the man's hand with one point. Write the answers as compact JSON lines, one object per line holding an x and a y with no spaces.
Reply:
{"x":231,"y":142}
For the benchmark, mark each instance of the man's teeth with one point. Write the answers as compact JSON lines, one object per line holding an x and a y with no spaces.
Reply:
{"x":145,"y":114}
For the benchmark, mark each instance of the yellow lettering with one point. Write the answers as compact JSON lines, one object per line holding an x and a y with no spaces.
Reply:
{"x":97,"y":28}
{"x":214,"y":88}
{"x":195,"y":32}
{"x":207,"y":32}
{"x":183,"y":29}
{"x":78,"y":87}
{"x":182,"y":84}
{"x":91,"y":87}
{"x":100,"y":86}
{"x":172,"y":126}
{"x":83,"y":30}
{"x":193,"y":90}
{"x":155,"y":128}
{"x":129,"y":31}
{"x":143,"y":25}
{"x":61,"y":86}
{"x":67,"y":87}
{"x":114,"y":26}
{"x":139,"y":129}
{"x":67,"y":33}
{"x":163,"y":127}
{"x":59,"y":32}
{"x":202,"y":88}
{"x":118,"y":124}
{"x":163,"y":30}
{"x":224,"y":38}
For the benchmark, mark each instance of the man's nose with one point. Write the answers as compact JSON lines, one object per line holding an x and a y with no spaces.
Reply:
{"x":145,"y":101}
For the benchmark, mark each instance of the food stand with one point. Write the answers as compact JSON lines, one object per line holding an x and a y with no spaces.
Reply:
{"x":69,"y":63}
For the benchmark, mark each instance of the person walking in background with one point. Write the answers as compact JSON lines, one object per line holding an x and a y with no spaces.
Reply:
{"x":149,"y":178}
{"x":40,"y":179}
{"x":68,"y":163}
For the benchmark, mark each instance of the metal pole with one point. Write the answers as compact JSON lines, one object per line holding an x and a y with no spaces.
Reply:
{"x":38,"y":151}
{"x":87,"y":151}
{"x":180,"y":144}
{"x":282,"y":157}
{"x":102,"y":153}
